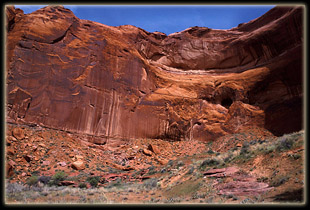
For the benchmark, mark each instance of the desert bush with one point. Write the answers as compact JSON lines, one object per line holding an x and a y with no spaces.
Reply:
{"x":93,"y":181}
{"x":269,"y":149}
{"x":210,"y":151}
{"x":191,"y":170}
{"x":58,"y":177}
{"x":82,"y":185}
{"x":227,"y":159}
{"x":33,"y":180}
{"x":279,"y":181}
{"x":209,"y":162}
{"x":288,"y":141}
{"x":151,"y":170}
{"x":170,"y":163}
{"x":14,"y":187}
{"x":245,"y":149}
{"x":285,"y":143}
{"x":150,"y":183}
{"x":44,"y":179}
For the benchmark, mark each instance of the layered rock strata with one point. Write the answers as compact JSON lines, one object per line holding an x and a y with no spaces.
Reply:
{"x":123,"y":82}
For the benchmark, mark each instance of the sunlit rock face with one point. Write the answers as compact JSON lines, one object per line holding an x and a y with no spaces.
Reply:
{"x":124,"y":82}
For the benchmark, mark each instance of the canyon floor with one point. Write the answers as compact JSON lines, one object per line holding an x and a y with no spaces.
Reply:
{"x":47,"y":166}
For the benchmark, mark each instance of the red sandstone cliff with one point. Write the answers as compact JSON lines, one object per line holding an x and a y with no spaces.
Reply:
{"x":124,"y":82}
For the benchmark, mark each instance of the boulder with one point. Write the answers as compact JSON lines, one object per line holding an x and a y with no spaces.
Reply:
{"x":147,"y":152}
{"x":18,"y":133}
{"x":78,"y":165}
{"x":154,"y":148}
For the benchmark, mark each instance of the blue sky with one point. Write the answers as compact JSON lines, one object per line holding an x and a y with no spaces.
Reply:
{"x":165,"y":18}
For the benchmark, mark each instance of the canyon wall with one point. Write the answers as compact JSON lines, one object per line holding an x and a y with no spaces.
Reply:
{"x":123,"y":82}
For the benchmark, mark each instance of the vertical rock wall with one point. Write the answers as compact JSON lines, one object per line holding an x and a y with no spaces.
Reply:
{"x":124,"y":82}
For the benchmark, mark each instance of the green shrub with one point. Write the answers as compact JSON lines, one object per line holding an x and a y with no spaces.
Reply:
{"x":82,"y":185}
{"x":58,"y":177}
{"x":93,"y":181}
{"x":210,"y":151}
{"x":209,"y":162}
{"x":228,"y":158}
{"x":33,"y":180}
{"x":150,"y":183}
{"x":245,"y":148}
{"x":285,"y":143}
{"x":269,"y":149}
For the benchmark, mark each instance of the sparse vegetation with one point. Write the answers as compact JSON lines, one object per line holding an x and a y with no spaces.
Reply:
{"x":181,"y":180}
{"x":279,"y":180}
{"x":191,"y":170}
{"x":245,"y":149}
{"x":58,"y":177}
{"x":44,"y":179}
{"x":285,"y":142}
{"x":150,"y":183}
{"x":185,"y":188}
{"x":93,"y":181}
{"x":33,"y":180}
{"x":82,"y":185}
{"x":209,"y":162}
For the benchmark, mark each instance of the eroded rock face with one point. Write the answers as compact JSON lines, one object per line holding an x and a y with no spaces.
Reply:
{"x":124,"y":82}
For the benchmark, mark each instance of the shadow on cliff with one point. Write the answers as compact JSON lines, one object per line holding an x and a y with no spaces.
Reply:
{"x":290,"y":196}
{"x":284,"y":118}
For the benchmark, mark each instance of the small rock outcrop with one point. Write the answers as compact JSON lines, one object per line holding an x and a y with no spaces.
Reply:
{"x":241,"y":183}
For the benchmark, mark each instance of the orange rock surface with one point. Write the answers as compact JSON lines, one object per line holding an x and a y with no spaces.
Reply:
{"x":123,"y":82}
